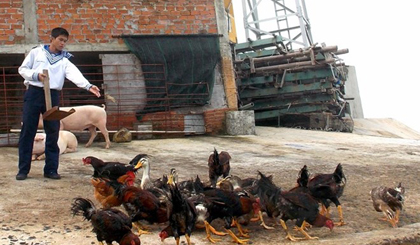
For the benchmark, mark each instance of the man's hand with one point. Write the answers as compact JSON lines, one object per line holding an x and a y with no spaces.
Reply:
{"x":95,"y":90}
{"x":41,"y":77}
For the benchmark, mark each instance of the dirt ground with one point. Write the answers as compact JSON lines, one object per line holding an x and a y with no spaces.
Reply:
{"x":37,"y":210}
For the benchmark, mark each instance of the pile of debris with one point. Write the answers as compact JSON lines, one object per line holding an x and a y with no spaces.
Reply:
{"x":298,"y":88}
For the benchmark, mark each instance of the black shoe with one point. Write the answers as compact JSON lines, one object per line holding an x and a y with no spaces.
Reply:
{"x":21,"y":176}
{"x":52,"y":176}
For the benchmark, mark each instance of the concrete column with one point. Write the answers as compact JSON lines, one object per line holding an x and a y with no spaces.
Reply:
{"x":226,"y":53}
{"x":30,"y":21}
{"x":240,"y":122}
{"x":352,"y":91}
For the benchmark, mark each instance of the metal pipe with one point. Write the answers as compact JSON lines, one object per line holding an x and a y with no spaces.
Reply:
{"x":290,"y":66}
{"x":294,"y":54}
{"x":341,"y":51}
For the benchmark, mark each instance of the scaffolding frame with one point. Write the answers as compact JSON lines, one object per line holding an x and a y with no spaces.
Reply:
{"x":286,"y":20}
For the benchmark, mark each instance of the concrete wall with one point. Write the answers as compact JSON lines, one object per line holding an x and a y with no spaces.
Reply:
{"x":130,"y":90}
{"x":352,"y":91}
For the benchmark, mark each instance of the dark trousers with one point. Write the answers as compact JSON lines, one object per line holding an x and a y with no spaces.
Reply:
{"x":33,"y":105}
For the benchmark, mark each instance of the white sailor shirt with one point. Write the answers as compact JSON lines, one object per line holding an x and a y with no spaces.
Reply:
{"x":58,"y":65}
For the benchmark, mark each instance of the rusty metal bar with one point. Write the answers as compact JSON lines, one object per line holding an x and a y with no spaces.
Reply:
{"x":290,"y":66}
{"x":290,"y":55}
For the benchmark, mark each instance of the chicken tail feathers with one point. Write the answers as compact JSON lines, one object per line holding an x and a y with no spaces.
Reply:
{"x":216,"y":157}
{"x":83,"y":207}
{"x":176,"y":197}
{"x":339,"y":176}
{"x":303,"y":177}
{"x":198,"y":185}
{"x":265,"y":184}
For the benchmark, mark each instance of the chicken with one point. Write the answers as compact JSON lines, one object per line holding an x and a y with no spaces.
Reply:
{"x":329,"y":187}
{"x":182,"y":217}
{"x":302,"y":181}
{"x":219,"y":165}
{"x":389,"y":201}
{"x":109,"y":170}
{"x":229,"y":206}
{"x":107,"y":191}
{"x":108,"y":224}
{"x":235,"y":183}
{"x":186,"y":187}
{"x":290,"y":205}
{"x":143,"y":205}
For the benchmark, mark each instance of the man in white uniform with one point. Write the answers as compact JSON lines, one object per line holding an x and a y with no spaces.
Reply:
{"x":53,"y":58}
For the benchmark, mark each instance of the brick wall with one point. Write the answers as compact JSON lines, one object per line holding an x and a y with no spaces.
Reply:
{"x":215,"y":121}
{"x":166,"y":120}
{"x":117,"y":121}
{"x":95,"y":21}
{"x":11,"y":22}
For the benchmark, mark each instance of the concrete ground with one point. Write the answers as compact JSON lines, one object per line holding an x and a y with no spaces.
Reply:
{"x":37,"y":210}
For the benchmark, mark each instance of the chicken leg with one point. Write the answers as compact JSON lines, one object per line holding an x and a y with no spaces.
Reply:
{"x":263,"y":223}
{"x":235,"y":238}
{"x":325,"y":211}
{"x":242,"y":232}
{"x":302,"y":230}
{"x":209,"y":229}
{"x":389,"y":216}
{"x":397,"y":216}
{"x":187,"y":237}
{"x":288,"y":236}
{"x":305,"y":226}
{"x":340,"y":214}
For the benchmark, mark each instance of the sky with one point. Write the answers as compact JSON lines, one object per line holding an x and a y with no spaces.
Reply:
{"x":382,"y":40}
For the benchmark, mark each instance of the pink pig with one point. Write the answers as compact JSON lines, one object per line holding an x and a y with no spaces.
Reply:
{"x":86,"y":117}
{"x":67,"y":142}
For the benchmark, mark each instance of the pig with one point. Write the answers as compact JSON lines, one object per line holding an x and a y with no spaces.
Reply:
{"x":86,"y":117}
{"x":67,"y":142}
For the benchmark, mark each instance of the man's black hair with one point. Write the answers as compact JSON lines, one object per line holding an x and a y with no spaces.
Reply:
{"x":59,"y":31}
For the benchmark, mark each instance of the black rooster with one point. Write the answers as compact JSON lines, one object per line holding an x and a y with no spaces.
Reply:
{"x":109,"y":170}
{"x":143,"y":205}
{"x":108,"y":224}
{"x":329,"y":187}
{"x":219,"y":165}
{"x":182,"y":217}
{"x":229,"y":206}
{"x":290,"y":205}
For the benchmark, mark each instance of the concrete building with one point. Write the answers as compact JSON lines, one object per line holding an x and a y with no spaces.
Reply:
{"x":97,"y":33}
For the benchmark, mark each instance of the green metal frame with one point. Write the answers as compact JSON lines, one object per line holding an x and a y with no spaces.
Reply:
{"x":286,"y":102}
{"x":266,"y":92}
{"x":291,"y":110}
{"x":290,"y":77}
